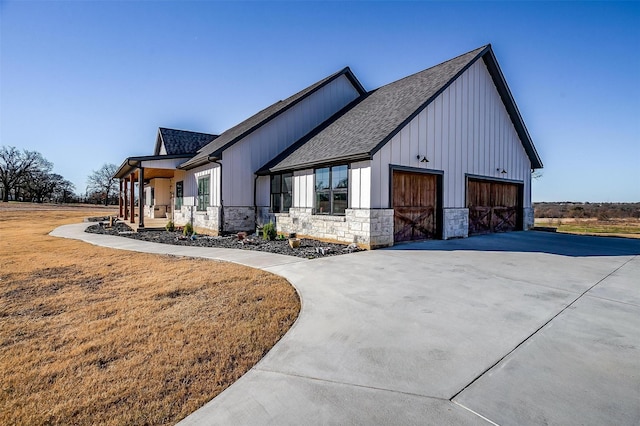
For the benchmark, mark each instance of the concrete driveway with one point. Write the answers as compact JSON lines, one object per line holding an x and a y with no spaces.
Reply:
{"x":510,"y":329}
{"x":521,"y":328}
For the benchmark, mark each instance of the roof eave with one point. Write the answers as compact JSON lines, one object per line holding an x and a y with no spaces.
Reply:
{"x":131,"y":163}
{"x":512,"y":109}
{"x":189,"y":165}
{"x":315,"y":164}
{"x":125,"y":168}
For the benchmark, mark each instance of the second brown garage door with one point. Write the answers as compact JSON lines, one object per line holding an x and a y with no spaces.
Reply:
{"x":493,"y":206}
{"x":415,"y":205}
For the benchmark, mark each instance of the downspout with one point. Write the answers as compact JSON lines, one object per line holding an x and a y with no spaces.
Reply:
{"x":255,"y":201}
{"x":213,"y":159}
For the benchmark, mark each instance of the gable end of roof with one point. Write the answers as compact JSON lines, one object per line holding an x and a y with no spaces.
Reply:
{"x":429,"y":100}
{"x":505,"y":94}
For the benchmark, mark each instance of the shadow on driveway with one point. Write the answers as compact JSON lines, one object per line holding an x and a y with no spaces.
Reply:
{"x":533,"y":242}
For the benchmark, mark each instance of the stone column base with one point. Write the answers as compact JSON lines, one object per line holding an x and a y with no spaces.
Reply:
{"x":455,"y":223}
{"x":528,"y":218}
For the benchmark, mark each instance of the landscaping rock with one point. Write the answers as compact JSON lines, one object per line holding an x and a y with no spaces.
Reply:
{"x":309,"y":249}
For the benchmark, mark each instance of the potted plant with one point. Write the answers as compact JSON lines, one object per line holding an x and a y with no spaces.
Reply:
{"x":294,"y":242}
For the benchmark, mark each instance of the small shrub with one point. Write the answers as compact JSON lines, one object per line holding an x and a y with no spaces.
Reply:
{"x":188,"y":229}
{"x":269,"y":231}
{"x":170,"y":226}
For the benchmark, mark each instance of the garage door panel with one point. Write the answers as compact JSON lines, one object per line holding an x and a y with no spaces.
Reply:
{"x":493,"y":206}
{"x":415,"y":205}
{"x":504,"y":219}
{"x":479,"y":220}
{"x":414,"y":223}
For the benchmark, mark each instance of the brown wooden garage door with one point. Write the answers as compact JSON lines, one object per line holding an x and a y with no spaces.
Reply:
{"x":493,"y":206}
{"x":415,"y":205}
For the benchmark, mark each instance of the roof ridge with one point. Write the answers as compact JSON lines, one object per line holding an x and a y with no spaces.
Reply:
{"x":479,"y":50}
{"x":185,"y":131}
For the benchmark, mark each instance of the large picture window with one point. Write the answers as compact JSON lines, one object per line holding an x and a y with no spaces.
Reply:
{"x":281,"y":192}
{"x":332,"y":190}
{"x":179,"y":194}
{"x":204,"y":188}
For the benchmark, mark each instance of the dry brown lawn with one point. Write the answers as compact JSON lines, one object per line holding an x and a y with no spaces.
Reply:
{"x":90,"y":335}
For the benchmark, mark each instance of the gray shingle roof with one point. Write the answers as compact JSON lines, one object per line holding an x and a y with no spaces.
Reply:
{"x":360,"y":131}
{"x":242,"y":129}
{"x":181,"y":141}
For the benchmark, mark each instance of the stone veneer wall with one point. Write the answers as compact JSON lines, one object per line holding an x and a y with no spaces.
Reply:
{"x":235,"y":218}
{"x":209,"y":219}
{"x":239,"y":219}
{"x":528,"y":218}
{"x":455,"y":223}
{"x":369,"y":228}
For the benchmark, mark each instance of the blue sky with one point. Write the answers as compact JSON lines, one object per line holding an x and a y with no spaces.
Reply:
{"x":86,"y":83}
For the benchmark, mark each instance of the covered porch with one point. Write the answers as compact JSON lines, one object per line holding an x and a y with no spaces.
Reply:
{"x":146,"y":196}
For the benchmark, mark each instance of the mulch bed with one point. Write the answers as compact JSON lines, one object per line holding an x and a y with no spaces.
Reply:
{"x":309,"y":249}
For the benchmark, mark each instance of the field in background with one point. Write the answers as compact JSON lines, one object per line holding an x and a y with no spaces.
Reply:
{"x":90,"y":335}
{"x":628,"y":227}
{"x":606,"y":219}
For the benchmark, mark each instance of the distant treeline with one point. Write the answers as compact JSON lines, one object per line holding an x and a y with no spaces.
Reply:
{"x":602,"y":211}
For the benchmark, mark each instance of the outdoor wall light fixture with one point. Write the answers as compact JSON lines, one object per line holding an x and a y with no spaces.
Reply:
{"x":504,"y":172}
{"x":424,"y":159}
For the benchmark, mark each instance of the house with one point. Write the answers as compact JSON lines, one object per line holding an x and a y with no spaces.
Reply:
{"x":443,"y":153}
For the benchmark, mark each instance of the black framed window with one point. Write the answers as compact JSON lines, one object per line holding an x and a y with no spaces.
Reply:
{"x":204,"y":188}
{"x":179,"y":194}
{"x":332,"y":190}
{"x":281,"y":192}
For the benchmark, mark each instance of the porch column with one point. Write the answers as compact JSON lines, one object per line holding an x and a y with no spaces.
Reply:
{"x":120,"y":199}
{"x":124,"y":194}
{"x":141,"y":197}
{"x":132,"y":196}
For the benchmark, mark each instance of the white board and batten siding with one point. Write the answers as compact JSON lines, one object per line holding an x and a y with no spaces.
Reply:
{"x":241,"y":160}
{"x":190,"y":185}
{"x":360,"y":185}
{"x":303,"y":188}
{"x":465,"y":130}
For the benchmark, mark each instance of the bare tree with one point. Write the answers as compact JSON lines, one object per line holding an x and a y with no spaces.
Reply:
{"x":102,"y":181}
{"x":63,"y":191}
{"x":15,"y":165}
{"x":37,"y":183}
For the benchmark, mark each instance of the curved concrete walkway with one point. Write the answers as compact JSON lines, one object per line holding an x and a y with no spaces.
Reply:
{"x":520,"y":328}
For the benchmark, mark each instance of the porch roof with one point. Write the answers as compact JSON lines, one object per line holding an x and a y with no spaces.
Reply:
{"x":156,"y":166}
